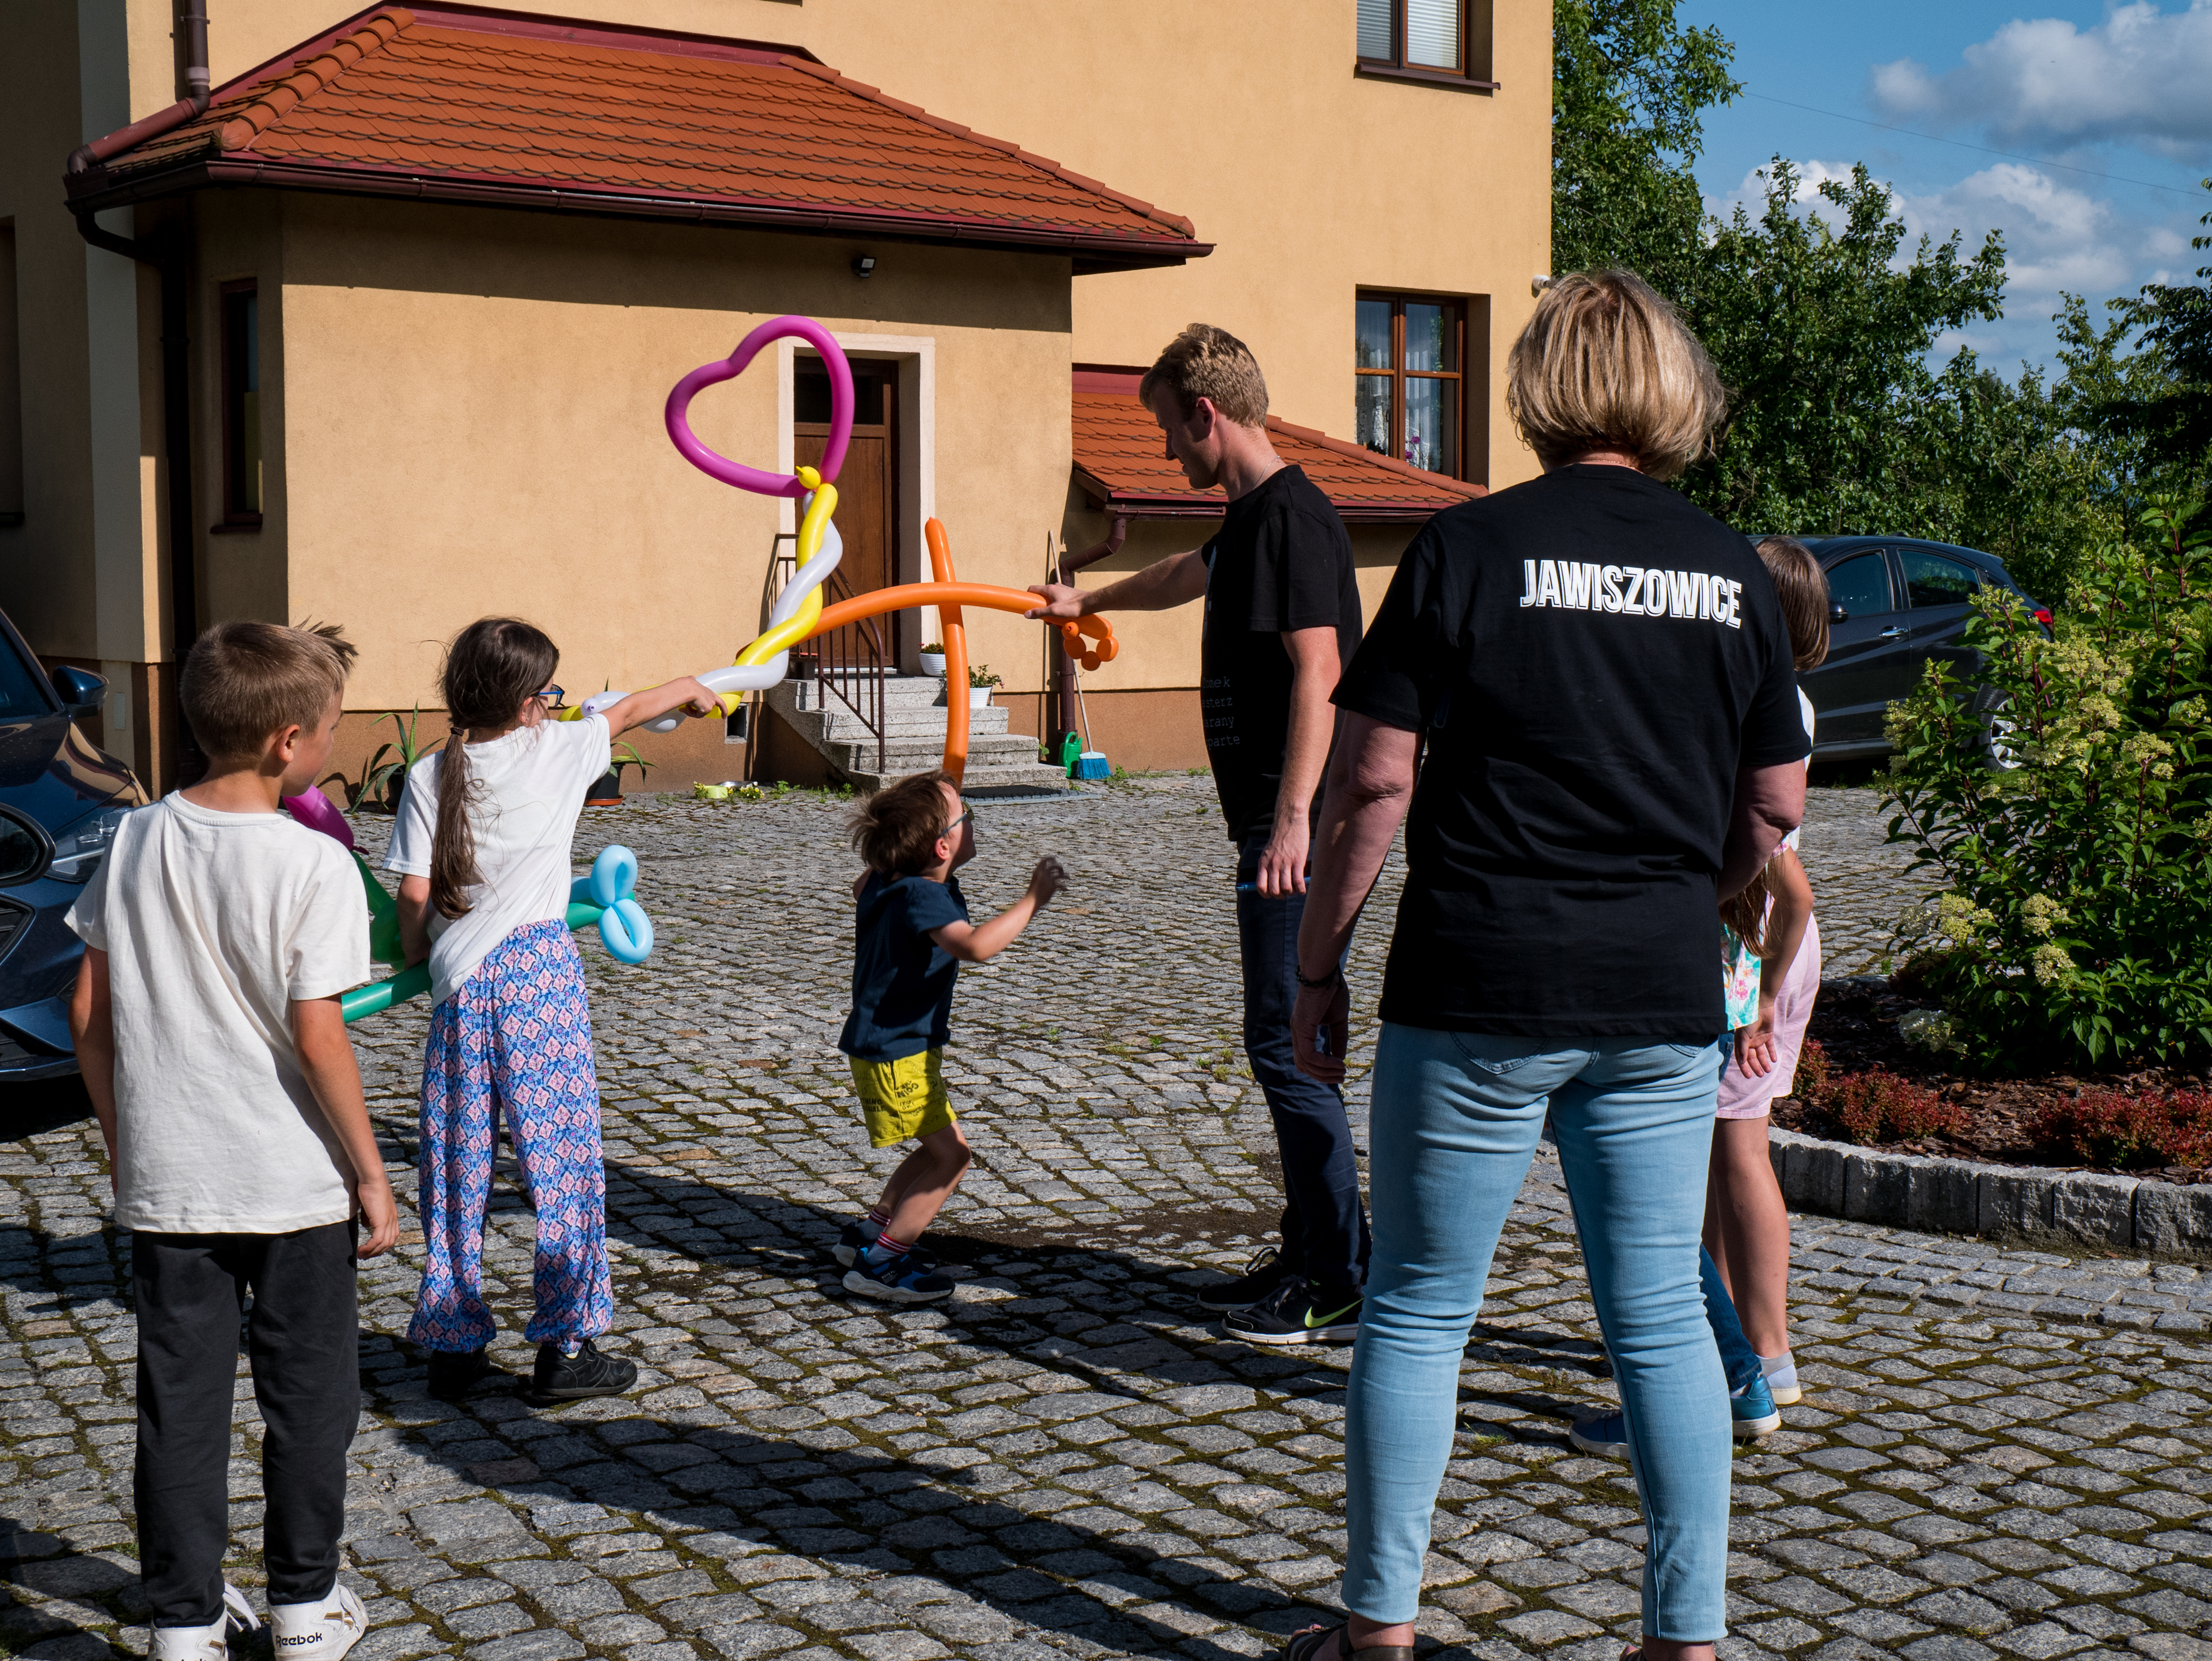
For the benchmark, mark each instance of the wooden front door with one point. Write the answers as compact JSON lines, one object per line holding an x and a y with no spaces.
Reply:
{"x":867,"y":484}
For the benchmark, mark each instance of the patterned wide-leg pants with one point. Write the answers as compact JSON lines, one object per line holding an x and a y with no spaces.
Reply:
{"x":517,"y":1033}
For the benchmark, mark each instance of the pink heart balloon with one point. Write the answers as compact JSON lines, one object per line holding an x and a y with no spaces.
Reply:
{"x":678,"y":413}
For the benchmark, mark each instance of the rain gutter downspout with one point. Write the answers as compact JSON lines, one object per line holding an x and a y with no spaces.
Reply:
{"x":1062,"y":714}
{"x":169,"y":258}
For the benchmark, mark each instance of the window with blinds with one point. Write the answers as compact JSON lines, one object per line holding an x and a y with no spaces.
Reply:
{"x":1426,"y":38}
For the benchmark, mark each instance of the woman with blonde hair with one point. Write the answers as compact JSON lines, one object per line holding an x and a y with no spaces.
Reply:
{"x":1601,"y":675}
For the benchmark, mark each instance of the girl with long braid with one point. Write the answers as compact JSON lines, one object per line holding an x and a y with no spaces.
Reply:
{"x":483,"y":847}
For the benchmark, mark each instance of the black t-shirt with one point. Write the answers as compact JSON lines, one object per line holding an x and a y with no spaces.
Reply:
{"x":1592,"y":659}
{"x":1280,"y":560}
{"x":902,"y":980}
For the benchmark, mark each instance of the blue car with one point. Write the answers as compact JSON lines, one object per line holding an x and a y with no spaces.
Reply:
{"x":60,"y":802}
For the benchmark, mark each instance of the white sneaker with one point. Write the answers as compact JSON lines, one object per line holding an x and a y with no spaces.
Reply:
{"x":323,"y":1630}
{"x":209,"y":1643}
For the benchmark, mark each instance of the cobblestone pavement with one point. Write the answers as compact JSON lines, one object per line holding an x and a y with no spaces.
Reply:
{"x":1859,"y":885}
{"x":2001,"y":1453}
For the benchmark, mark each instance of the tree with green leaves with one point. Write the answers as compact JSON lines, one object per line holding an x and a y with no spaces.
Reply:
{"x":1629,"y":88}
{"x":1822,"y":337}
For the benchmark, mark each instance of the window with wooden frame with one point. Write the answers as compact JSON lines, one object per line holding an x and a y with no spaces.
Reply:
{"x":1410,"y":375}
{"x":1443,"y":41}
{"x":241,"y":406}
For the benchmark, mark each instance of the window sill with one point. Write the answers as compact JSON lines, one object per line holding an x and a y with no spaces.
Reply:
{"x":1366,"y":71}
{"x":240,"y":526}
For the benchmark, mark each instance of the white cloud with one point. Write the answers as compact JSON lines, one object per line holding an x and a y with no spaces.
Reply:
{"x":2139,"y":77}
{"x":2057,"y":238}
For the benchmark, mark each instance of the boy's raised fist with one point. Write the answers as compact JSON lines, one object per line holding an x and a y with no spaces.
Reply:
{"x":1047,"y":879}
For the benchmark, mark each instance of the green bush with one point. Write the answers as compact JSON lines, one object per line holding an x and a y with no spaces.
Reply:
{"x":2066,"y":817}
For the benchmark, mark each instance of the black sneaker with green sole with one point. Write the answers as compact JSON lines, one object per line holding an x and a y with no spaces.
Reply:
{"x":1298,"y":1312}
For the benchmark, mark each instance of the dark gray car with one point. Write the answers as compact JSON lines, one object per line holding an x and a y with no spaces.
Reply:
{"x":60,"y":802}
{"x":1894,"y":603}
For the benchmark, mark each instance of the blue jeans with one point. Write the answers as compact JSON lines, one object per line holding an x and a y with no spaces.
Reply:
{"x":1324,"y":1225}
{"x":1739,"y":1360}
{"x":1457,"y":1118}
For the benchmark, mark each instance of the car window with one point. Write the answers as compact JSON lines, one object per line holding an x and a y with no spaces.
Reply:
{"x":1932,"y":580}
{"x":22,"y":690}
{"x":1861,"y":585}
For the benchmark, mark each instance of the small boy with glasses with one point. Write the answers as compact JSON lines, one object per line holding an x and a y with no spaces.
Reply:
{"x":911,"y":936}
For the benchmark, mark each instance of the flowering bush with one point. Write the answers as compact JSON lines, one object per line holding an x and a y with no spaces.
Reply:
{"x":2064,"y":811}
{"x":2106,"y":1128}
{"x":1877,"y":1106}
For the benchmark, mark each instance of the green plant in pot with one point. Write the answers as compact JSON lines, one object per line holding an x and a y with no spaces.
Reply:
{"x":933,"y":658}
{"x":981,"y":680}
{"x":607,"y":792}
{"x":387,"y":773}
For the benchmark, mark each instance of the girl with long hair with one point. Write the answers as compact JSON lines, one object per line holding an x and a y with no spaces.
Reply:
{"x":483,"y":847}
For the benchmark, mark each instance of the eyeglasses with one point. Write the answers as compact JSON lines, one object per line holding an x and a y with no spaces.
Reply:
{"x":554,"y":697}
{"x":966,"y":814}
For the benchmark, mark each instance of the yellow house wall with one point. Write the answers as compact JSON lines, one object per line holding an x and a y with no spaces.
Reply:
{"x":1243,"y":114}
{"x":472,"y":422}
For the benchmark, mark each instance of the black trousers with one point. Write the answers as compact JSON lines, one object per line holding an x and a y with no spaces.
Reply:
{"x":303,"y":1339}
{"x":1325,"y":1236}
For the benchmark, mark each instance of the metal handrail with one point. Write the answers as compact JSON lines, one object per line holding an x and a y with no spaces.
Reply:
{"x":849,"y":662}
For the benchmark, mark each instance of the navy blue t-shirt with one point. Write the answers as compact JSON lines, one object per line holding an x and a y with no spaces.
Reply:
{"x":902,"y":979}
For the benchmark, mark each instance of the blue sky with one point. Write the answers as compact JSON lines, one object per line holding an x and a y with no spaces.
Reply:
{"x":2082,"y":90}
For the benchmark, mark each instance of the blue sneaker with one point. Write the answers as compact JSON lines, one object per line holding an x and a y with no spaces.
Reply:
{"x":906,"y":1279}
{"x":1754,"y":1413}
{"x":1606,"y":1436}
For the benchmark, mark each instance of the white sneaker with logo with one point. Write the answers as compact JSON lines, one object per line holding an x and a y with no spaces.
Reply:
{"x":320,"y":1631}
{"x":207,"y":1643}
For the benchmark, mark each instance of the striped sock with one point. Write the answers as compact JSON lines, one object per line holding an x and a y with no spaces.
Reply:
{"x":877,"y":1218}
{"x":886,"y":1248}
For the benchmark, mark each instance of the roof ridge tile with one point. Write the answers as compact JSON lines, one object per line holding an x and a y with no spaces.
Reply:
{"x":273,"y":102}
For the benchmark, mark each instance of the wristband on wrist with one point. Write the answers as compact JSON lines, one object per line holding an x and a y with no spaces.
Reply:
{"x":1333,"y":978}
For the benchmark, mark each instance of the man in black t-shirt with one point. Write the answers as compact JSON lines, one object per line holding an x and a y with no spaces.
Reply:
{"x":1282,"y":619}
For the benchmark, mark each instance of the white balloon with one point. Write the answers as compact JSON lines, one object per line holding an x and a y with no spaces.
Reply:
{"x":757,"y":677}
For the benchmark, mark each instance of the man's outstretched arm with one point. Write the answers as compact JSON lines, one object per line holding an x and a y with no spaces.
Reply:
{"x":1176,"y":581}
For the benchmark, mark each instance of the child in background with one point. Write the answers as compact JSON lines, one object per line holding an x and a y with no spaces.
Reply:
{"x":483,"y":847}
{"x":1747,"y":1224}
{"x":911,"y":934}
{"x":219,"y":932}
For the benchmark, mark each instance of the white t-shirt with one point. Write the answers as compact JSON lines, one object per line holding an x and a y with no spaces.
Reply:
{"x":529,"y":791}
{"x":1805,"y":709}
{"x":214,"y":923}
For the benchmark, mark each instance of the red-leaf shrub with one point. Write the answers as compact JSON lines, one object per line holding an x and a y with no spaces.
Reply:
{"x":2106,"y":1128}
{"x":1879,"y":1106}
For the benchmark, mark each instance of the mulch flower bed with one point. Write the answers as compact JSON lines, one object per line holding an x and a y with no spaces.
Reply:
{"x":1880,"y":1090}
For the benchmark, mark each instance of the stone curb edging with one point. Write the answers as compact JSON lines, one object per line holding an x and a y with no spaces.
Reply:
{"x":1959,"y":1196}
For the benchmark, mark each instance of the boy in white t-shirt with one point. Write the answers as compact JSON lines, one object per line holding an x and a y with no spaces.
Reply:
{"x":218,"y":935}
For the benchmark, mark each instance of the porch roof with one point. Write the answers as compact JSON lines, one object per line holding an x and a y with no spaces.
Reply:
{"x":465,"y":103}
{"x":1122,"y":465}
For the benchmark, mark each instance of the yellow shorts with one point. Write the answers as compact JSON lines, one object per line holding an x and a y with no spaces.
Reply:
{"x":902,"y":1100}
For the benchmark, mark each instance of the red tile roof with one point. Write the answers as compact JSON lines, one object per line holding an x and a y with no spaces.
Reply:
{"x":1123,"y":467}
{"x":460,"y":102}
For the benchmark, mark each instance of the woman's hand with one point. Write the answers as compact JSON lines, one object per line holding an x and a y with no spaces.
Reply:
{"x":1756,"y":1051}
{"x":1321,"y":1024}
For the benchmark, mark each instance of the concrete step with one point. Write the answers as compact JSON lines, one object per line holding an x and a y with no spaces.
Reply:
{"x":983,"y":782}
{"x":904,"y":756}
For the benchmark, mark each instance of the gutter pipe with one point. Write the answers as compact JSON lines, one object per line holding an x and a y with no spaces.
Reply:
{"x":171,"y":258}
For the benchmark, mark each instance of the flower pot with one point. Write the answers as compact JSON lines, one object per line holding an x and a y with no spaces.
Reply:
{"x":606,"y":792}
{"x":932,"y":663}
{"x":979,"y":697}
